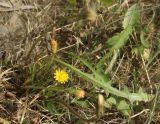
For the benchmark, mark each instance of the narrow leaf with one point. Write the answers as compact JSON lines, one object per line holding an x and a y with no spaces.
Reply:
{"x":132,"y":16}
{"x":107,"y":2}
{"x":119,"y":40}
{"x":123,"y":107}
{"x":110,"y":102}
{"x":107,"y":85}
{"x":144,"y":41}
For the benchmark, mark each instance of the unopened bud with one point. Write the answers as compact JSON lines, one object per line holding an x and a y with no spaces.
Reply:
{"x":54,"y":45}
{"x":80,"y":93}
{"x":92,"y":15}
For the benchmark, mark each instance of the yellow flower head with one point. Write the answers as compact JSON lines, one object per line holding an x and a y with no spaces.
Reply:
{"x":61,"y":76}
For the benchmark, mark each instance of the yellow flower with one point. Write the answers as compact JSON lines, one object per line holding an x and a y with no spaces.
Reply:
{"x":61,"y":76}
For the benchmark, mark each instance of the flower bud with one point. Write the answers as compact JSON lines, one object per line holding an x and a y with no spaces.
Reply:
{"x":80,"y":93}
{"x":91,"y":15}
{"x":54,"y":45}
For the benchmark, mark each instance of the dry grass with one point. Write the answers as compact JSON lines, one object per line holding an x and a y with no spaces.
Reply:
{"x":28,"y":92}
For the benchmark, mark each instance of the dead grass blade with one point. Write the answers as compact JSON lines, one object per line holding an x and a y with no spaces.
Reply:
{"x":4,"y":74}
{"x":26,"y":7}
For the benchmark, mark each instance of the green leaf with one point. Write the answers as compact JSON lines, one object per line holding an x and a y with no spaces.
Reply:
{"x":101,"y":62}
{"x":113,"y":61}
{"x":138,"y":50}
{"x":119,"y":40}
{"x":98,"y":80}
{"x":125,"y":89}
{"x":98,"y":76}
{"x":132,"y":16}
{"x":140,"y":96}
{"x":87,"y":64}
{"x":81,"y":103}
{"x":155,"y":54}
{"x":143,"y":40}
{"x":51,"y":107}
{"x":72,"y":2}
{"x":110,"y":102}
{"x":107,"y":2}
{"x":124,"y":108}
{"x":99,"y":67}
